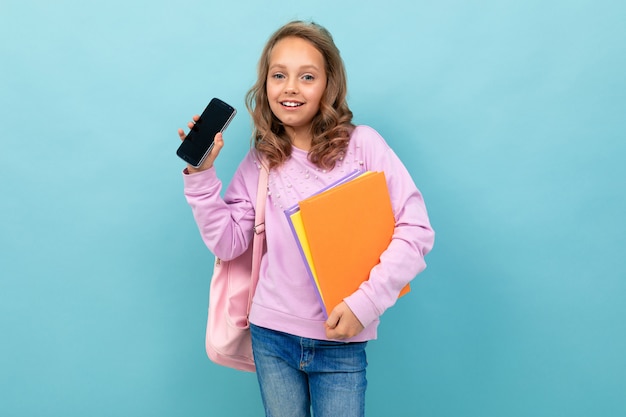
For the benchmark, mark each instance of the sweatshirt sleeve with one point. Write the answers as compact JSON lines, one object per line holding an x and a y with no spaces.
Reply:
{"x":412,"y":239}
{"x":225,"y":224}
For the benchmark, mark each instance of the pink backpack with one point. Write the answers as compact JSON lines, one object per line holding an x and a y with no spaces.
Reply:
{"x":228,"y":340}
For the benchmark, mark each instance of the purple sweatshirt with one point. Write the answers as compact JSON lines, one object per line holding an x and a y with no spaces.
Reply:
{"x":285,"y":298}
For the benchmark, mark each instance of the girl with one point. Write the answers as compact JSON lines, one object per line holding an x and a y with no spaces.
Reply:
{"x":303,"y":132}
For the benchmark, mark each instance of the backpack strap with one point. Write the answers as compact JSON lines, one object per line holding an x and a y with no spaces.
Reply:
{"x":259,"y":231}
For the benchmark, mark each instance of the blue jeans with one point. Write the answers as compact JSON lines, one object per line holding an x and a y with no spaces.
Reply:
{"x":297,"y":374}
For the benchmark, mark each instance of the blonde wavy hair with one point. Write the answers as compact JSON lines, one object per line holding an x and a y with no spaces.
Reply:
{"x":331,"y":126}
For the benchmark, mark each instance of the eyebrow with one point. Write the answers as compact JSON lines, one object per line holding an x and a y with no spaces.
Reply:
{"x":304,"y":67}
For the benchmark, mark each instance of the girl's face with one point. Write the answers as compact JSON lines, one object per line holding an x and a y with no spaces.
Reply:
{"x":296,"y":81}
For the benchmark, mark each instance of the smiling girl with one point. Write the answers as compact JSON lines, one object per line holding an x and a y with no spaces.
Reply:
{"x":303,"y":133}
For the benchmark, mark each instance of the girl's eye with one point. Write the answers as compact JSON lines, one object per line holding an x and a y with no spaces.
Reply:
{"x":308,"y":77}
{"x":278,"y":76}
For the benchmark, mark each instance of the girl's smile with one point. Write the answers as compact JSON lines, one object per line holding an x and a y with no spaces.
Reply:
{"x":291,"y":104}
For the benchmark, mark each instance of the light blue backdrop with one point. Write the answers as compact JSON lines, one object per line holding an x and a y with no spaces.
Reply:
{"x":509,"y":115}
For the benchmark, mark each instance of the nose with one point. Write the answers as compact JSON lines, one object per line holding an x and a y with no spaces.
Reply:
{"x":291,"y":87}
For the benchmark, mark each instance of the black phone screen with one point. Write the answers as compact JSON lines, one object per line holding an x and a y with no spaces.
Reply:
{"x":199,"y":141}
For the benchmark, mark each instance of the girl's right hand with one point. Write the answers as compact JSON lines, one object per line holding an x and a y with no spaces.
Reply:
{"x":217,"y":147}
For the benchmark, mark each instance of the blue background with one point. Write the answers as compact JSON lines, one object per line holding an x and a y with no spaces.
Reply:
{"x":508,"y":114}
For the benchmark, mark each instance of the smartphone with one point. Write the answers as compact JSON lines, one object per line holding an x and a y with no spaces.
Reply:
{"x":199,"y":141}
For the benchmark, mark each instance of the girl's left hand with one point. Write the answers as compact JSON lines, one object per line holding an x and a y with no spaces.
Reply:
{"x":342,"y":323}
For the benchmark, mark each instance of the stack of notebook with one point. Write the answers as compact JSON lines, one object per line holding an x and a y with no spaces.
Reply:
{"x":341,"y":232}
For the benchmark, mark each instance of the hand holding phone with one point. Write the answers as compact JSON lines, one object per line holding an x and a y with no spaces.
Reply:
{"x":199,"y":141}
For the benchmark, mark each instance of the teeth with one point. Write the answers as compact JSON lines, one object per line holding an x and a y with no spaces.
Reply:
{"x":291,"y":104}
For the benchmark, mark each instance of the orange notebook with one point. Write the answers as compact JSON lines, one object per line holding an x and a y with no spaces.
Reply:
{"x":347,"y":228}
